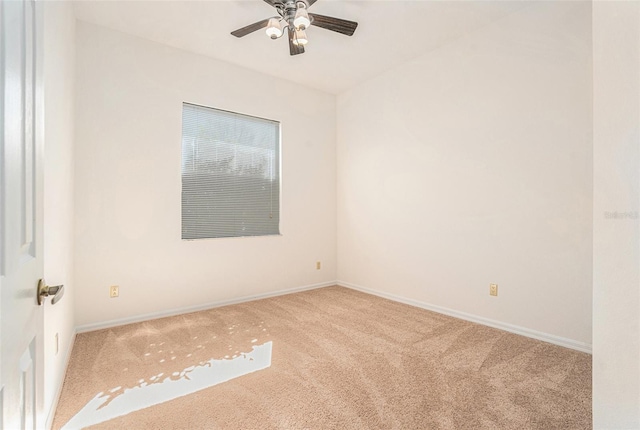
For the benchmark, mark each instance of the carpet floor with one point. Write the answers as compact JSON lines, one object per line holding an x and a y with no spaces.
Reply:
{"x":330,"y":358}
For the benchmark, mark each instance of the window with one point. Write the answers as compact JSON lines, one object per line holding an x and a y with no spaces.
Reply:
{"x":230,"y":174}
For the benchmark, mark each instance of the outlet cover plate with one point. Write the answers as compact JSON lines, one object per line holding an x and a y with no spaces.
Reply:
{"x":493,"y":289}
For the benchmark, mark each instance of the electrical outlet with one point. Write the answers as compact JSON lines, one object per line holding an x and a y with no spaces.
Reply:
{"x":493,"y":289}
{"x":57,"y":345}
{"x":114,"y":291}
{"x":318,"y":265}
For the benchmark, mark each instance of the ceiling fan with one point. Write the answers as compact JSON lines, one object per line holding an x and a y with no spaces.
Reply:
{"x":294,"y":17}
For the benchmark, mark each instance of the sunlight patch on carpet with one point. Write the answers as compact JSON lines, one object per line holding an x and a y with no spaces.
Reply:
{"x":213,"y":372}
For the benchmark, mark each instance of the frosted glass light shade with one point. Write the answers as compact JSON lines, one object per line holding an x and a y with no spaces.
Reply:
{"x":273,"y":28}
{"x":301,"y":21}
{"x":300,"y":38}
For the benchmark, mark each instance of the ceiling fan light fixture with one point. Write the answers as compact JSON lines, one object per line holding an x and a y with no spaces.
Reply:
{"x":300,"y":37}
{"x":295,"y":20}
{"x":274,"y":30}
{"x":301,"y":20}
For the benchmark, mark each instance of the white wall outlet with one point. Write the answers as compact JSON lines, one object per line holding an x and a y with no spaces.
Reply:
{"x":493,"y":289}
{"x":318,"y":265}
{"x":114,"y":291}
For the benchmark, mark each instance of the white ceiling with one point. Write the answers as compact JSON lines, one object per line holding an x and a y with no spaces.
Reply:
{"x":389,"y":33}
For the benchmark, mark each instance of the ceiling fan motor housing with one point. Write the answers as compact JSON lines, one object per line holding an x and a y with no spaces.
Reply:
{"x":287,"y":9}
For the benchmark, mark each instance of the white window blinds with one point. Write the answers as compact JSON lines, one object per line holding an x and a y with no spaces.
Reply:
{"x":230,"y":174}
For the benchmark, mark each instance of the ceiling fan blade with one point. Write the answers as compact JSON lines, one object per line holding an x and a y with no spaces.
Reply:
{"x":308,"y":1}
{"x":293,"y":48}
{"x":334,"y":24}
{"x":250,"y":28}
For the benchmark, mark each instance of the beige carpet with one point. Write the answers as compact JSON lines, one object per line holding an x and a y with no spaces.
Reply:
{"x":330,"y":358}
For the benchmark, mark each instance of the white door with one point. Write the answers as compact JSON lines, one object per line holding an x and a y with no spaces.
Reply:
{"x":21,"y":263}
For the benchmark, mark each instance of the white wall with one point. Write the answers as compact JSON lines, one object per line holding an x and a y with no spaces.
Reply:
{"x":616,"y":238}
{"x":471,"y":165}
{"x":127,"y":169}
{"x":59,"y":81}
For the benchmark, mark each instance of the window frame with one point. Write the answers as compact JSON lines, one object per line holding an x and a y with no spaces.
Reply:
{"x":279,"y":173}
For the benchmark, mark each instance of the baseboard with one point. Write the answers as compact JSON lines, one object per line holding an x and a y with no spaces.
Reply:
{"x":523,"y":331}
{"x":189,"y":309}
{"x":545,"y":337}
{"x":56,"y":399}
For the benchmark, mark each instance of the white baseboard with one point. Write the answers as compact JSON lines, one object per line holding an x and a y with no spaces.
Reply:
{"x":545,"y":337}
{"x":189,"y":309}
{"x":52,"y":412}
{"x":556,"y":340}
